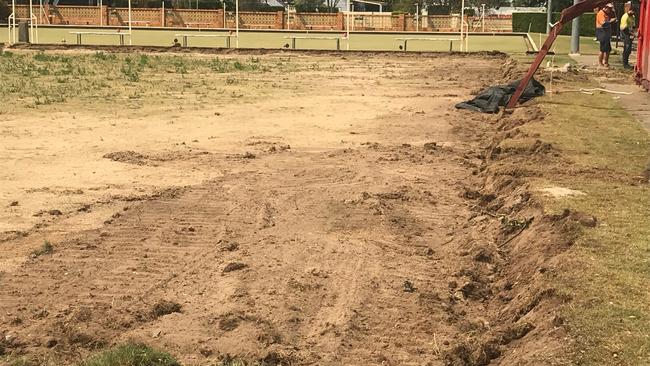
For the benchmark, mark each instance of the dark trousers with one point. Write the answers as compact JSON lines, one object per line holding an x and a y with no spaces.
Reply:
{"x":627,"y":46}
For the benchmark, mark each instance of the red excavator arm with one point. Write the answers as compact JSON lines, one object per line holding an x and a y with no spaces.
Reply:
{"x":567,"y":15}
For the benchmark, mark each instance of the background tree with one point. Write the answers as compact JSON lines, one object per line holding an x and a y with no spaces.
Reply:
{"x":444,"y":6}
{"x":310,"y":6}
{"x":332,"y":5}
{"x":557,"y":5}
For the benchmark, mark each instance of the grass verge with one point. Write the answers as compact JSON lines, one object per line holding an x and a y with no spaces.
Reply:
{"x":604,"y":154}
{"x":131,"y":354}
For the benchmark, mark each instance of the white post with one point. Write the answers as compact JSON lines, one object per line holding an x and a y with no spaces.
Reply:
{"x":462,"y":21}
{"x":288,"y":25}
{"x":347,"y":25}
{"x":12,"y":23}
{"x":483,"y":18}
{"x":162,"y":15}
{"x":35,"y":31}
{"x":237,"y":22}
{"x":224,"y":14}
{"x":31,"y":21}
{"x":130,"y":34}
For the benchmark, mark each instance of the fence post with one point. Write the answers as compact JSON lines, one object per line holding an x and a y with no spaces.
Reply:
{"x":401,"y":22}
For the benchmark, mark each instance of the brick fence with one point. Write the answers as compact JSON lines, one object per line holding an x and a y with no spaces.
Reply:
{"x":187,"y":18}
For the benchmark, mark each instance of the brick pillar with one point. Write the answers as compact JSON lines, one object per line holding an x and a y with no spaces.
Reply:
{"x":340,"y":21}
{"x":220,"y":19}
{"x":280,"y":20}
{"x":401,"y":22}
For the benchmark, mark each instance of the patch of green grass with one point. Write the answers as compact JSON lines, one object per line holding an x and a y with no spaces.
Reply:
{"x":608,"y":275}
{"x":21,"y":361}
{"x":45,"y":249}
{"x":562,"y":44}
{"x":104,"y":56}
{"x":131,"y":354}
{"x":34,"y":79}
{"x":219,"y":65}
{"x":130,"y":70}
{"x":144,"y":60}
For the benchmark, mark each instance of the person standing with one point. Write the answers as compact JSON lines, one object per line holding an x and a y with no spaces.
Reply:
{"x":628,"y":25}
{"x":604,"y":20}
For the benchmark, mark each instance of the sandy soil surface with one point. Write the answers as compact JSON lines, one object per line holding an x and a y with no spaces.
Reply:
{"x":318,"y":219}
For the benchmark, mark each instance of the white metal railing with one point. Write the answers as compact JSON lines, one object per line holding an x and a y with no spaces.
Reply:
{"x":13,"y":25}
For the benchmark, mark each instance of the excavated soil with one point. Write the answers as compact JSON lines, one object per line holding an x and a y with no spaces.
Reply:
{"x":360,"y":221}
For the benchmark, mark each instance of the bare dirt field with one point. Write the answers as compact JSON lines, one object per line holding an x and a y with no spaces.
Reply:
{"x":295,"y":209}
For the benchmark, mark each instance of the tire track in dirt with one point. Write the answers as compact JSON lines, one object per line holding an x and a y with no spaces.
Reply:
{"x":319,"y":256}
{"x":320,"y":259}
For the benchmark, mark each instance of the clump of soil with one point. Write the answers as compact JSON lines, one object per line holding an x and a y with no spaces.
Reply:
{"x":230,"y":246}
{"x":234,"y":266}
{"x":164,"y":307}
{"x":229,"y":322}
{"x":129,"y":156}
{"x":520,"y":117}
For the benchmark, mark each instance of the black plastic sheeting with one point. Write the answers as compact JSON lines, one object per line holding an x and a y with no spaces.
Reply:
{"x":490,"y":99}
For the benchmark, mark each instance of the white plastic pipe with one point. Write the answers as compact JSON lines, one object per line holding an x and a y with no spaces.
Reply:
{"x":31,"y":20}
{"x":347,"y":27}
{"x":237,"y":22}
{"x":12,"y":23}
{"x":130,"y":33}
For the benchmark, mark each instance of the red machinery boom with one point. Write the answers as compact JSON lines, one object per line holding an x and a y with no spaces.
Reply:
{"x":567,"y":15}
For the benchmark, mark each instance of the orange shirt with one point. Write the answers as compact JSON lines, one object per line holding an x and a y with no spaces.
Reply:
{"x":601,"y":18}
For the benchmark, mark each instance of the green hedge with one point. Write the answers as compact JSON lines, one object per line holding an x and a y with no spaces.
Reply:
{"x":537,"y":23}
{"x":4,"y":11}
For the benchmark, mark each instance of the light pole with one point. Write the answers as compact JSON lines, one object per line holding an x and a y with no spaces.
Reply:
{"x":483,"y":17}
{"x":462,"y":24}
{"x":417,"y":17}
{"x":575,"y":34}
{"x":549,"y":15}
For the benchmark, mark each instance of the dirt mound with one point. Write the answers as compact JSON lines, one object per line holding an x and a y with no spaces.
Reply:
{"x":520,"y":117}
{"x":130,"y":157}
{"x":510,"y":275}
{"x":136,"y":158}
